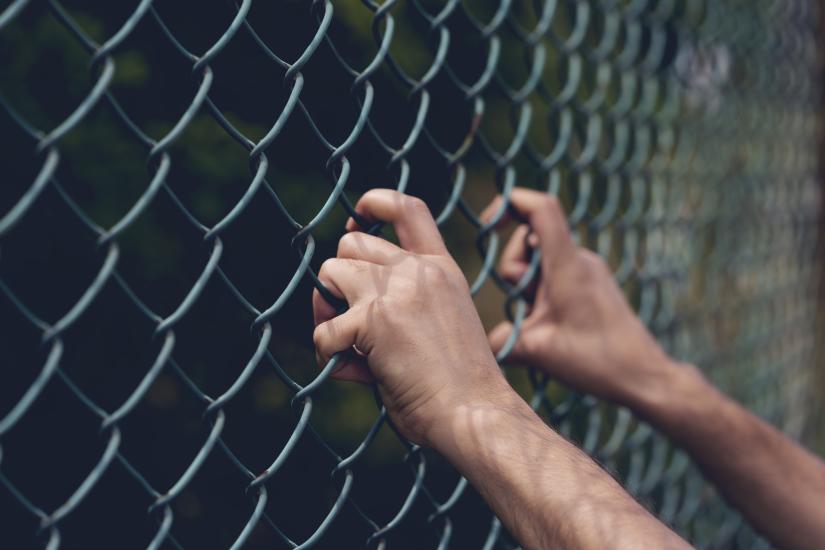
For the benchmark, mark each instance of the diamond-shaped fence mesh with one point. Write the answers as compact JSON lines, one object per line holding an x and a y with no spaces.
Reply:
{"x":175,"y":173}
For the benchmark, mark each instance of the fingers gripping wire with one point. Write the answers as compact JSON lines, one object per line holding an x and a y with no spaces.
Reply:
{"x":677,"y":137}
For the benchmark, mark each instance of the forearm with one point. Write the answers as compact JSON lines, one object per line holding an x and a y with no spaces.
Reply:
{"x":546,"y":491}
{"x":774,"y":482}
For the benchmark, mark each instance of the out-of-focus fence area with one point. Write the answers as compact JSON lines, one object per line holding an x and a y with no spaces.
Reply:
{"x":174,"y":173}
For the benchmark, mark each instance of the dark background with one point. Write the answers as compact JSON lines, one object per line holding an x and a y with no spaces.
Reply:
{"x":49,"y":259}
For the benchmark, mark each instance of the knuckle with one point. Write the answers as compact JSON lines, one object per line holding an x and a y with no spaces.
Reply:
{"x":594,"y":264}
{"x":326,"y":268}
{"x":551,"y":204}
{"x":437,"y":274}
{"x":509,"y":270}
{"x":348,"y":245}
{"x":372,"y":194}
{"x":454,"y":272}
{"x":317,"y":336}
{"x":414,"y":204}
{"x":355,"y":265}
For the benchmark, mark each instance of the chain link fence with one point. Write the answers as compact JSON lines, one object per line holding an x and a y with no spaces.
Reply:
{"x":174,"y":174}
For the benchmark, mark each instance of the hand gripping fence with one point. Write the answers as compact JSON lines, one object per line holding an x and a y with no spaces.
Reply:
{"x":681,"y":136}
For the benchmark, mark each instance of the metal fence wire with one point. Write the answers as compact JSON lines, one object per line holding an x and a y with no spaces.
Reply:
{"x":176,"y":172}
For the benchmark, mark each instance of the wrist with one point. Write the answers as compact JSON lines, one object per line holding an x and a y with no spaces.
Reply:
{"x":645,"y":373}
{"x":677,"y":395}
{"x":459,"y":428}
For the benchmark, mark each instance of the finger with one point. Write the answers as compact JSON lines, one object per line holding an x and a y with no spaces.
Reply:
{"x":351,"y":367}
{"x":524,"y":348}
{"x":322,"y":311}
{"x":546,"y":218}
{"x":362,"y":246}
{"x":499,"y":336}
{"x":338,"y":334}
{"x":410,"y":216}
{"x":345,"y":278}
{"x":541,"y":209}
{"x":514,"y":259}
{"x":488,"y":214}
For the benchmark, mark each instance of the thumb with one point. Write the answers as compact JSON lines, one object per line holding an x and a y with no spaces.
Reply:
{"x":500,"y":340}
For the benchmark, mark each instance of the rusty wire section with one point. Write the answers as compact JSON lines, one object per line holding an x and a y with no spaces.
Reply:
{"x":684,"y":144}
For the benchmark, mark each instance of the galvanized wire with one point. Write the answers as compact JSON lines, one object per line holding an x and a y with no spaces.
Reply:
{"x":684,"y":146}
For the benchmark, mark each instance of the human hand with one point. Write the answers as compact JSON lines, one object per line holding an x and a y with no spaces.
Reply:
{"x":580,"y":328}
{"x":411,"y":325}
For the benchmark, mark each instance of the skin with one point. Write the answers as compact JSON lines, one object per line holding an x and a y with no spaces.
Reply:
{"x":413,"y":331}
{"x":582,"y":331}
